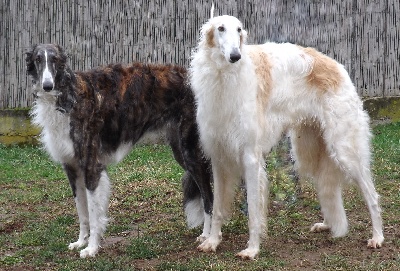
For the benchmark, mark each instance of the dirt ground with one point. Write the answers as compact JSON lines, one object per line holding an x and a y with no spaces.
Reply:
{"x":297,"y":247}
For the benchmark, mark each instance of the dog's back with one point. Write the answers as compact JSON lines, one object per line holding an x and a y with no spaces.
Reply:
{"x":128,"y":101}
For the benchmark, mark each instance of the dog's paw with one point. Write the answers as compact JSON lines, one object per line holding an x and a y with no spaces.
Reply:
{"x":209,"y":245}
{"x":248,"y":253}
{"x":89,"y":252}
{"x":319,"y":227}
{"x":374,"y":243}
{"x":201,"y":238}
{"x":78,"y":244}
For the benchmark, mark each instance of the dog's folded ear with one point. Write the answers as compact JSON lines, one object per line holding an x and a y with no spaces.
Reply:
{"x":63,"y":56}
{"x":207,"y":35}
{"x":30,"y":65}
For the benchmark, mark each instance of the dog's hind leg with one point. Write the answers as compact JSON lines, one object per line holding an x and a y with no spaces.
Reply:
{"x":196,"y":182}
{"x":98,"y":199}
{"x":193,"y":203}
{"x":328,"y":181}
{"x":350,"y":149}
{"x":312,"y":160}
{"x":364,"y":181}
{"x":198,"y":196}
{"x":77,"y":183}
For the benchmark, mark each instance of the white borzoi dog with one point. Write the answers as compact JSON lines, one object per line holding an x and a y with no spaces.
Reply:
{"x":247,"y":96}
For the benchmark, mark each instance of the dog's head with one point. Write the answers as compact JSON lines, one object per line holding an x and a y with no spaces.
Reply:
{"x":226,"y":34}
{"x":43,"y":63}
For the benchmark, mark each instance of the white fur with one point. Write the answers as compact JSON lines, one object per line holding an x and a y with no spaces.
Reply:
{"x":194,"y":211}
{"x":47,"y":76}
{"x":195,"y":216}
{"x":55,"y":127}
{"x":239,"y":125}
{"x":81,"y":202}
{"x":98,"y":207}
{"x":123,"y":149}
{"x":206,"y":228}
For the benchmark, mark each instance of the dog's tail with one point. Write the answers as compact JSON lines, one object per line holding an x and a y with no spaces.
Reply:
{"x":194,"y":211}
{"x":192,"y":202}
{"x":212,"y":10}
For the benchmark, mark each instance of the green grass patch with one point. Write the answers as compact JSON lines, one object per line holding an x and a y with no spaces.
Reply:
{"x":386,"y":145}
{"x":25,"y":164}
{"x":143,"y":248}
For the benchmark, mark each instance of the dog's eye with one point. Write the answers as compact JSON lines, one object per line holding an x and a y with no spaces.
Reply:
{"x":239,"y":29}
{"x":221,"y":29}
{"x":38,"y":59}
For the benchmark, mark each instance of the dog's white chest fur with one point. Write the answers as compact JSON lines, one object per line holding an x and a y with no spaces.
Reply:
{"x":55,"y":134}
{"x":234,"y":110}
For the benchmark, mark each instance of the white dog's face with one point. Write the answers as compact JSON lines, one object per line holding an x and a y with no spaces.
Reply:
{"x":226,"y":34}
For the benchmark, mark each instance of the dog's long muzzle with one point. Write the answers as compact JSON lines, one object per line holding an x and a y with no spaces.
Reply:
{"x":47,"y":80}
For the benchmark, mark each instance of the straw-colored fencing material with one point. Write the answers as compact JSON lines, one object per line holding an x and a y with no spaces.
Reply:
{"x":361,"y":34}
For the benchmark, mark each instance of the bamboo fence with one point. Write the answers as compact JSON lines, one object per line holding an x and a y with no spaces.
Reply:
{"x":361,"y":34}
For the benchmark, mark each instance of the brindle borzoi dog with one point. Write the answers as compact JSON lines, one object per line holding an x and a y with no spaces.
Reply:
{"x":91,"y":119}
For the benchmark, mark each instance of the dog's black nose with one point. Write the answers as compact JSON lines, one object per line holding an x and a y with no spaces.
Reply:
{"x":48,"y":86}
{"x":235,"y":56}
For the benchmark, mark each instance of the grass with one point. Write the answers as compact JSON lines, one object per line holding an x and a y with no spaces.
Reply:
{"x":147,"y":229}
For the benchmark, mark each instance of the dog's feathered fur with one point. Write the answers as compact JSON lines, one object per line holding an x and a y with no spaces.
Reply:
{"x":248,"y":95}
{"x":93,"y":118}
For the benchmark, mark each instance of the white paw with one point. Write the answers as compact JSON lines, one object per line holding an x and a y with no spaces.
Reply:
{"x":248,"y":253}
{"x":77,"y":244}
{"x":375,"y":242}
{"x":201,"y":238}
{"x":209,"y":245}
{"x":319,"y":227}
{"x":89,"y":252}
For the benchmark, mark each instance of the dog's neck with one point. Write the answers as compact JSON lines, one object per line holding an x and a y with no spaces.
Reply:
{"x":66,"y":84}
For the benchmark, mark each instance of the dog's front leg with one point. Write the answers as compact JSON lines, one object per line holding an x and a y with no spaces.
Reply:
{"x":257,"y":199}
{"x":224,"y":190}
{"x":98,"y":199}
{"x":75,"y":177}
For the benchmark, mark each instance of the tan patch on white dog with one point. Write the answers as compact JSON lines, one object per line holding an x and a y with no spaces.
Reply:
{"x":210,"y":37}
{"x":263,"y":68}
{"x":325,"y":74}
